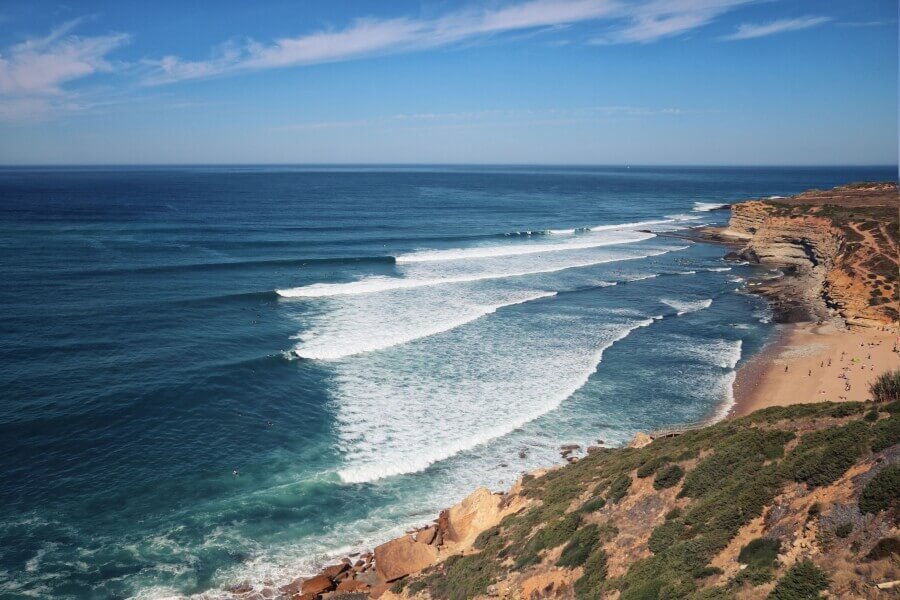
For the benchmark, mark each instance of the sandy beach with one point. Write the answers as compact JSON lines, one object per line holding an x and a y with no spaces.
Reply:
{"x":814,"y":363}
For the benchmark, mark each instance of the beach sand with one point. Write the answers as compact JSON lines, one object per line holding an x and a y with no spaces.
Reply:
{"x":814,"y":363}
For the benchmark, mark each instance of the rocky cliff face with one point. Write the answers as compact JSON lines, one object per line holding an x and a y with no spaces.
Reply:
{"x":783,"y":503}
{"x":845,"y":255}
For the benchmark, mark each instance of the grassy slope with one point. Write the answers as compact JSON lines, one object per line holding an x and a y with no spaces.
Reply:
{"x":668,"y":520}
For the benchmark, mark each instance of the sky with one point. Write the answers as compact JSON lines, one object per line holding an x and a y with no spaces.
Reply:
{"x":661,"y":82}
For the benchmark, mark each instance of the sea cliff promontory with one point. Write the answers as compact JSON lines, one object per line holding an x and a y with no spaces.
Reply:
{"x":838,"y":248}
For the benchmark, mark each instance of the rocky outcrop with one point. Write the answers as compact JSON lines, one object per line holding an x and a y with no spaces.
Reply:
{"x":840,"y":246}
{"x":402,"y":556}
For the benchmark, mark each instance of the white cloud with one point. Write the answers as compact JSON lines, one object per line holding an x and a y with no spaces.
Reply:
{"x":33,"y":72}
{"x":635,"y":21}
{"x":748,"y":31}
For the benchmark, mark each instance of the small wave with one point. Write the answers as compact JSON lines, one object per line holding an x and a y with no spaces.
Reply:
{"x":516,"y":250}
{"x":709,"y":206}
{"x":326,"y":350}
{"x":775,"y":198}
{"x":718,"y":269}
{"x":686,"y":306}
{"x":371,"y":285}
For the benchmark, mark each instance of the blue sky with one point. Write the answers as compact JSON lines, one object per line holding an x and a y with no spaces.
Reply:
{"x":507,"y":81}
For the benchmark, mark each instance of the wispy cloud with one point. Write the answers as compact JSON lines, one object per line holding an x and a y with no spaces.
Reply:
{"x":652,"y":21}
{"x":33,"y":72}
{"x":748,"y":31}
{"x":635,"y":21}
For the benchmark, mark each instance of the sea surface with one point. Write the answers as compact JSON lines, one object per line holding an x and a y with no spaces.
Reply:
{"x":222,"y":374}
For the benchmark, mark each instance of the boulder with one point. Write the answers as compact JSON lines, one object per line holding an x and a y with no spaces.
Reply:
{"x":293,"y":587}
{"x":352,"y":585}
{"x":479,"y":511}
{"x":640,"y":440}
{"x":427,"y":535}
{"x":335,"y":570}
{"x":402,"y":556}
{"x":317,"y":585}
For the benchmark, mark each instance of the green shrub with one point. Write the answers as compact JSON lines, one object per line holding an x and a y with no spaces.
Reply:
{"x":593,"y":505}
{"x":885,"y":433}
{"x":647,"y":590}
{"x":668,"y":477}
{"x":882,"y":491}
{"x":618,"y":488}
{"x":673,"y":514}
{"x":417,"y":586}
{"x":815,"y":509}
{"x":550,"y":536}
{"x":738,"y":455}
{"x":649,"y":467}
{"x":886,"y":386}
{"x":760,"y":553}
{"x":465,"y":577}
{"x":662,"y":537}
{"x":847,"y":409}
{"x":752,"y":576}
{"x":844,"y":529}
{"x":579,"y":547}
{"x":803,"y":581}
{"x":871,"y":416}
{"x":590,"y":585}
{"x":823,"y":456}
{"x":885,"y":548}
{"x":892,"y":407}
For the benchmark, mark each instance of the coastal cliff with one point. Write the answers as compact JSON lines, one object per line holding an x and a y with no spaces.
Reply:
{"x":783,"y":503}
{"x":840,"y":248}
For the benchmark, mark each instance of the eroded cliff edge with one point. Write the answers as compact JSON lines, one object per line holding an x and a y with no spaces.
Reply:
{"x":838,"y":248}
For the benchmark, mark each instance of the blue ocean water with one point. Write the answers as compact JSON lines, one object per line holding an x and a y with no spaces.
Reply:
{"x":213,"y":375}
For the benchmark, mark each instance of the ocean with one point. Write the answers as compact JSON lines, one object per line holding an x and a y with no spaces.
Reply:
{"x":221,"y":374}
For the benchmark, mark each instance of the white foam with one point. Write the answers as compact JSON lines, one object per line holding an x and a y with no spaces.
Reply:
{"x":354,"y":330}
{"x":611,"y":239}
{"x":399,"y":422}
{"x":634,"y":225}
{"x":776,"y":197}
{"x":686,"y":306}
{"x":371,"y":285}
{"x":718,"y":269}
{"x":709,"y":206}
{"x":726,"y":392}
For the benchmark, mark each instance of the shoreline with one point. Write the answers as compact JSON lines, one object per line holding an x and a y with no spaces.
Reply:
{"x":809,"y":362}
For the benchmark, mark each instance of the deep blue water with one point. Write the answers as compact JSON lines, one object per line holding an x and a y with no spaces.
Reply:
{"x":363,"y":345}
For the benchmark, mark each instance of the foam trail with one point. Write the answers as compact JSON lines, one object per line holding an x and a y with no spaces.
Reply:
{"x":371,"y":285}
{"x":726,"y":387}
{"x":432,"y":447}
{"x":517,"y":249}
{"x":685,"y":306}
{"x":341,"y":344}
{"x":709,"y":206}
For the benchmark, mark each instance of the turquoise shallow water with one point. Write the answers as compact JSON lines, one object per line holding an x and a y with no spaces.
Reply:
{"x":363,"y":346}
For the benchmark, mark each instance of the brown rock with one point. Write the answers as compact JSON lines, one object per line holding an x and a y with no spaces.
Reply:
{"x":317,"y":585}
{"x":241,"y":588}
{"x":640,"y":440}
{"x":352,"y":585}
{"x":403,"y":556}
{"x":358,"y":564}
{"x":427,"y":535}
{"x":293,"y":587}
{"x":379,"y":590}
{"x":335,"y":570}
